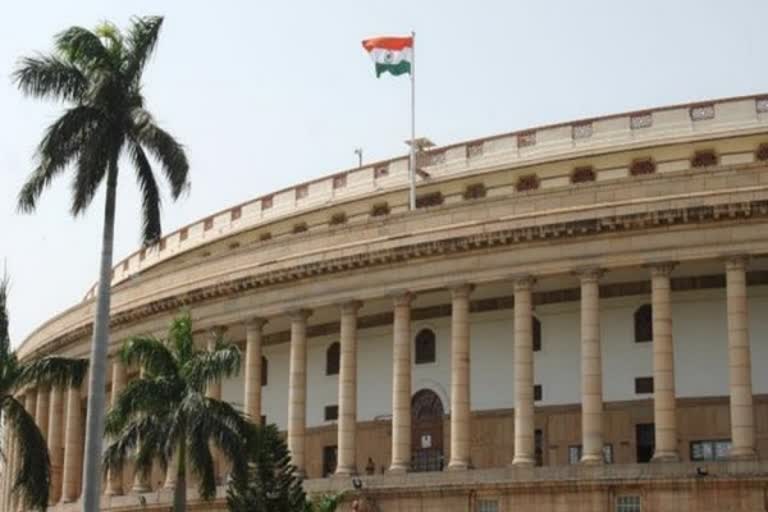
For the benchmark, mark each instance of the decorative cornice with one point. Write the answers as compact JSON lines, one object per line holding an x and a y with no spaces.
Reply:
{"x":481,"y":240}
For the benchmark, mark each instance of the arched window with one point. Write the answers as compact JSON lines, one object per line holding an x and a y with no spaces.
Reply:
{"x":536,"y":331}
{"x":425,"y":346}
{"x":643,"y":324}
{"x":332,"y":355}
{"x":264,"y":371}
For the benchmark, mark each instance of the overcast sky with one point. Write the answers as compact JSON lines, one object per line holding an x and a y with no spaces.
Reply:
{"x":268,"y":94}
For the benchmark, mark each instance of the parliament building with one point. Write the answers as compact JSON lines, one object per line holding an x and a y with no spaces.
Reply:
{"x":573,"y":318}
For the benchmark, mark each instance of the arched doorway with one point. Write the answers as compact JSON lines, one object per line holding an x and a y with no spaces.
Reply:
{"x":427,"y":431}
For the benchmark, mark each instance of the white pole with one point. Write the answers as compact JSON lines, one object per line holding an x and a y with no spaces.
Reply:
{"x":412,"y":170}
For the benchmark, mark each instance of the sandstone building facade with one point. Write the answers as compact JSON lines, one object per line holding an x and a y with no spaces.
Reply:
{"x":573,"y":318}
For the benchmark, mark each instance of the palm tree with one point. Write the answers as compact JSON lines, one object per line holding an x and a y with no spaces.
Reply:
{"x":33,"y":477}
{"x":167,"y":410}
{"x":98,"y":74}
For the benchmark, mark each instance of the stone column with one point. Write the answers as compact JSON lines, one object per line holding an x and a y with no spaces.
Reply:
{"x":253,"y":335}
{"x":347,"y":424}
{"x":664,"y":407}
{"x":214,"y":391}
{"x":56,"y":441}
{"x":297,"y":389}
{"x":591,"y":369}
{"x":141,"y":483}
{"x":739,"y":361}
{"x":43,"y":409}
{"x":115,"y":478}
{"x":401,"y":384}
{"x":523,"y":352}
{"x":73,"y":447}
{"x":461,"y":426}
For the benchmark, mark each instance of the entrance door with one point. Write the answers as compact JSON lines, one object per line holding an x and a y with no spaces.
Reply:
{"x":427,"y":431}
{"x":645,"y":438}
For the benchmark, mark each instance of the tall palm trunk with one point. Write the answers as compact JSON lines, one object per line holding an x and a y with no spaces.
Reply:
{"x":180,"y":491}
{"x":94,"y":432}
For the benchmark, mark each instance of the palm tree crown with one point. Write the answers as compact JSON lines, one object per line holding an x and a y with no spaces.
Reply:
{"x":165,"y":415}
{"x":33,"y":469}
{"x":99,"y":74}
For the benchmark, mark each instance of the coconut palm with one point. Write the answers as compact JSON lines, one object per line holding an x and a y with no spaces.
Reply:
{"x":98,"y":74}
{"x":167,"y":410}
{"x":33,"y":469}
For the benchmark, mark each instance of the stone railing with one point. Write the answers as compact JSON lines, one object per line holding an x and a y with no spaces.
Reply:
{"x":513,"y":150}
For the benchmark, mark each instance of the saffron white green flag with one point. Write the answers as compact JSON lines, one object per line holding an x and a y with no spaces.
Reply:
{"x":390,"y":54}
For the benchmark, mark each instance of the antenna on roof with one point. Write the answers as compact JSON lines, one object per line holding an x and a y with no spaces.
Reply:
{"x":359,"y":153}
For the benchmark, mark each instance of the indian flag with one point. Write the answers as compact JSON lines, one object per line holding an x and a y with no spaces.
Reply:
{"x":392,"y":54}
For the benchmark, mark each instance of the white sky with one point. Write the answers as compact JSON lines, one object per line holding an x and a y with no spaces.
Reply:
{"x":268,"y":94}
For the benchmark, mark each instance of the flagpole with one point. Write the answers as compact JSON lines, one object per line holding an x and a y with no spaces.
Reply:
{"x":412,"y":170}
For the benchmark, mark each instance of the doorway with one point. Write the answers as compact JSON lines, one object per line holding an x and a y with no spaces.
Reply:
{"x":645,"y":440}
{"x":427,"y":431}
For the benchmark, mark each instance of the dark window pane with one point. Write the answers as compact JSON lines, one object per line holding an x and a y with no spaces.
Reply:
{"x":264,"y":371}
{"x":536,"y":331}
{"x":331,"y":412}
{"x":330,"y":455}
{"x":332,"y":356}
{"x":643,"y":385}
{"x":643,"y":324}
{"x":425,"y":346}
{"x":538,"y":392}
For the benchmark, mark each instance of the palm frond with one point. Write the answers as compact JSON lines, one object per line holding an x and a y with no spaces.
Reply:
{"x":34,"y":474}
{"x":83,"y":48}
{"x":146,"y":396}
{"x":5,"y":338}
{"x":95,"y":156}
{"x":53,"y":371}
{"x":50,"y":77}
{"x":141,"y":42}
{"x":181,"y":338}
{"x":150,"y":195}
{"x":208,"y":367}
{"x":166,"y":149}
{"x":151,"y":354}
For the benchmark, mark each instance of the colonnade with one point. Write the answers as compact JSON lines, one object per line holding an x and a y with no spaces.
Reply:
{"x":58,"y":411}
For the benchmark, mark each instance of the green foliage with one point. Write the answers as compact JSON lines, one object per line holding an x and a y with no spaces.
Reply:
{"x":166,"y":413}
{"x":273,"y":484}
{"x":98,"y":74}
{"x":33,"y":475}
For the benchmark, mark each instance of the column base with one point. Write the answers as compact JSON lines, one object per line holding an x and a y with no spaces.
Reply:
{"x":665,"y":457}
{"x":346,"y":471}
{"x":592,"y":460}
{"x":523,"y":462}
{"x":743,"y":454}
{"x":398,"y":469}
{"x":141,"y":489}
{"x":457,"y":465}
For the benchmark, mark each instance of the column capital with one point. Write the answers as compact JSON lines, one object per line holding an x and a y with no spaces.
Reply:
{"x":460,"y":290}
{"x":661,"y":268}
{"x":523,"y":282}
{"x":402,"y":297}
{"x":256,"y":322}
{"x":299,"y":314}
{"x":350,"y":306}
{"x":736,"y":261}
{"x":589,"y":274}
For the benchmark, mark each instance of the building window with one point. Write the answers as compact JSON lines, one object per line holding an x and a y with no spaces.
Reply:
{"x":263,"y":420}
{"x":475,"y":191}
{"x":762,"y":152}
{"x":340,"y":181}
{"x":526,"y":139}
{"x":431,"y":199}
{"x":265,"y":236}
{"x":381,"y":171}
{"x":641,"y":120}
{"x":264,"y":371}
{"x":208,"y":224}
{"x":330,"y":456}
{"x":302,"y":191}
{"x":574,"y":454}
{"x":236,"y":213}
{"x":710,"y":450}
{"x":266,"y":203}
{"x":628,"y":504}
{"x":643,"y":324}
{"x":425,"y":346}
{"x":704,"y":159}
{"x":581,"y":131}
{"x":536,"y":334}
{"x":645,"y":441}
{"x":527,"y":182}
{"x":583,"y":174}
{"x":702,"y":112}
{"x":644,"y":385}
{"x":474,"y":149}
{"x":642,"y":166}
{"x":608,"y":453}
{"x":332,"y":355}
{"x":331,"y":413}
{"x":183,"y":234}
{"x":538,"y":446}
{"x":338,"y":218}
{"x":538,"y":392}
{"x":485,"y":505}
{"x":301,"y":227}
{"x":162,"y":244}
